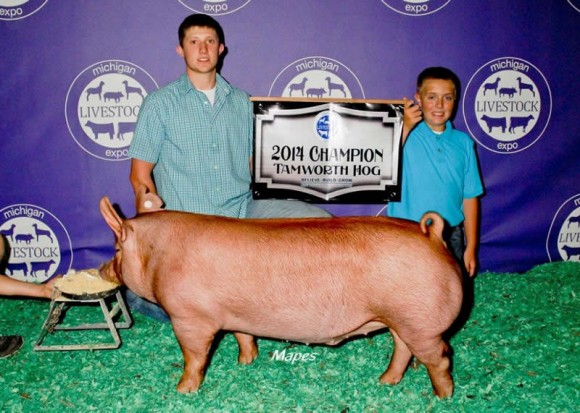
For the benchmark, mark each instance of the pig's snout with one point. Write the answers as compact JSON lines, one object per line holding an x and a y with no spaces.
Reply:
{"x":109,"y":272}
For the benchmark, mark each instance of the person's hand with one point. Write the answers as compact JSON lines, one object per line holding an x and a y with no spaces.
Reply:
{"x":412,"y":115}
{"x":470,"y":261}
{"x":48,"y":287}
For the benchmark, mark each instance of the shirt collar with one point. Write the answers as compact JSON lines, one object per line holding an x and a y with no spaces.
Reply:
{"x":423,"y":128}
{"x":222,"y":86}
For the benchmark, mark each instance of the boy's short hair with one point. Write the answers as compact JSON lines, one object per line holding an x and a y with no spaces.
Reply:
{"x":200,"y":20}
{"x":440,"y":73}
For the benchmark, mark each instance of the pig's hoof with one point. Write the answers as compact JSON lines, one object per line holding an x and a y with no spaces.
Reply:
{"x":188,"y":385}
{"x":390,"y":378}
{"x":186,"y":389}
{"x":248,"y":357}
{"x":246,"y":360}
{"x":443,"y":393}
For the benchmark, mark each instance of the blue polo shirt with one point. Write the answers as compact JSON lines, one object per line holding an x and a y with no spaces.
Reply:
{"x":439,"y":172}
{"x":201,"y":152}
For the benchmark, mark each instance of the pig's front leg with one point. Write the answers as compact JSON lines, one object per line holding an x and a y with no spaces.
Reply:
{"x":195,"y":345}
{"x":248,"y":348}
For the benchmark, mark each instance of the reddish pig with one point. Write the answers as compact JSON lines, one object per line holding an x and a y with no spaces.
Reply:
{"x":310,"y":280}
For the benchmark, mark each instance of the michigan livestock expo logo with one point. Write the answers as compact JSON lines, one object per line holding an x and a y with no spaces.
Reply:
{"x":507,"y":105}
{"x":102,"y":105}
{"x":214,"y":7}
{"x":317,"y":77}
{"x":563,"y":241}
{"x":39,"y":245}
{"x":415,"y":7}
{"x":19,"y":9}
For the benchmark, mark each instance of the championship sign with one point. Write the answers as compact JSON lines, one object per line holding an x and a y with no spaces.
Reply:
{"x":327,"y":150}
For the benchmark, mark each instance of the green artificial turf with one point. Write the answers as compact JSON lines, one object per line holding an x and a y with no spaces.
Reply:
{"x":517,"y":352}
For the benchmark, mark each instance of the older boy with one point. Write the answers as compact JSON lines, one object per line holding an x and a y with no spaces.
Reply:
{"x":440,"y":169}
{"x":194,"y":138}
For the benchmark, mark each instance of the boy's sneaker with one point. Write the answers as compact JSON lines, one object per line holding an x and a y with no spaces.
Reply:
{"x":10,"y":345}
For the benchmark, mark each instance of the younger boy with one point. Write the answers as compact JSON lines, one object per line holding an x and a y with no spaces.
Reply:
{"x":440,"y":169}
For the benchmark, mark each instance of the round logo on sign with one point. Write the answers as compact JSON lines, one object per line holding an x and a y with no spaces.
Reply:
{"x":563,"y":240}
{"x":507,"y":105}
{"x":39,"y":244}
{"x":214,"y":7}
{"x":102,"y":105}
{"x":575,"y":4}
{"x":19,"y":9}
{"x":327,"y":126}
{"x":415,"y":7}
{"x":317,"y":77}
{"x":322,"y":125}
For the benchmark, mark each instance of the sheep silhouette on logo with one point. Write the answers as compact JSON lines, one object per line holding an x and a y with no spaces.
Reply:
{"x":298,"y":86}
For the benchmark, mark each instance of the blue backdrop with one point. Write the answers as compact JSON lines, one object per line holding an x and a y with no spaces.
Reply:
{"x":74,"y":75}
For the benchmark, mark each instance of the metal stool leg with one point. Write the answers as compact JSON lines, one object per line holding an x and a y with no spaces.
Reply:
{"x":53,"y":319}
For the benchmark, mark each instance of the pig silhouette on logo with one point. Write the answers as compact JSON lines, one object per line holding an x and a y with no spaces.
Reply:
{"x":308,"y":280}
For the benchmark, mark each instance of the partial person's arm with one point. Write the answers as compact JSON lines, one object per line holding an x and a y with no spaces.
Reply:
{"x":141,"y":175}
{"x":471,"y":212}
{"x":10,"y":286}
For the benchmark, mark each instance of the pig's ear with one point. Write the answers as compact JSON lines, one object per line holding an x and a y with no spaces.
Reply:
{"x":111,"y":217}
{"x":147,"y":201}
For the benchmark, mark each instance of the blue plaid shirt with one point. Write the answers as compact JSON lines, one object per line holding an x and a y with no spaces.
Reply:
{"x":201,"y":152}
